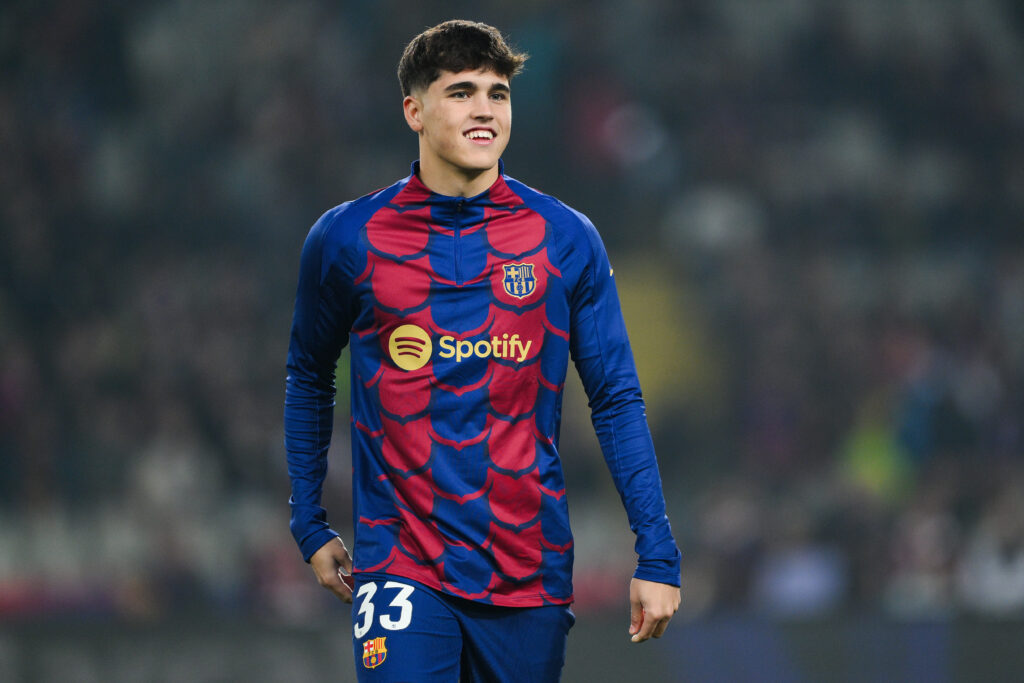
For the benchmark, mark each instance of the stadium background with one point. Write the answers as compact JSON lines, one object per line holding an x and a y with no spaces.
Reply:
{"x":815,"y":211}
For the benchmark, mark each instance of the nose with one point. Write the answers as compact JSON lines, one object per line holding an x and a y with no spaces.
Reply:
{"x":482,"y":107}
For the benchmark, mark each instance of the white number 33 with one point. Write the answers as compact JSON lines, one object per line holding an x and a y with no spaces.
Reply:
{"x":366,"y":609}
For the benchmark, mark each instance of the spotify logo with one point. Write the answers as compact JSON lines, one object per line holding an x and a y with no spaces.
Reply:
{"x":410,"y":347}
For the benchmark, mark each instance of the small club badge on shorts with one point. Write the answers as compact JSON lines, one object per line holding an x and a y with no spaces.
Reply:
{"x":374,"y":652}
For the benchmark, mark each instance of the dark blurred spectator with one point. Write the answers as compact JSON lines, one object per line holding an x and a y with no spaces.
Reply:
{"x":991,"y":572}
{"x":797,"y":575}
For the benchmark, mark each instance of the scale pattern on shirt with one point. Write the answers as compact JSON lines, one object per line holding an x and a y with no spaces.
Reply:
{"x":460,"y":315}
{"x":458,"y":366}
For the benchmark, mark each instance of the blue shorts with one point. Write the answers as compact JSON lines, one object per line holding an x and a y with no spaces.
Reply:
{"x":405,"y":631}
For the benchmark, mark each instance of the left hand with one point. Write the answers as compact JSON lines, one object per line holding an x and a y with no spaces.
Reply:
{"x":333,"y":568}
{"x":651,"y":606}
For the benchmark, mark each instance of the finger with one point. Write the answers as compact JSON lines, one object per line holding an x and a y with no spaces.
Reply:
{"x":636,"y":617}
{"x":333,"y":580}
{"x":646,"y":629}
{"x":339,"y":587}
{"x":345,"y":560}
{"x":344,"y":591}
{"x":659,"y":630}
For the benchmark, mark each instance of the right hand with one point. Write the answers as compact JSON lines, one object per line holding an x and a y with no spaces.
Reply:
{"x":333,"y":568}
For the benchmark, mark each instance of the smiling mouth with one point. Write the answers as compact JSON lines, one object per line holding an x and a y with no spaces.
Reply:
{"x":480,"y":136}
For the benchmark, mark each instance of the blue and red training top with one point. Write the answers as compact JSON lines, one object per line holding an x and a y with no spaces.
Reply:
{"x":461,"y":315}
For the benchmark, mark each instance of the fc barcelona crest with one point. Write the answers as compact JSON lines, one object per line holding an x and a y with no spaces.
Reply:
{"x":519,"y":280}
{"x":374,"y":652}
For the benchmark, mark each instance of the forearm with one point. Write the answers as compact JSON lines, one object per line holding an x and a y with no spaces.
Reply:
{"x":629,"y":451}
{"x":319,"y":332}
{"x":308,"y":423}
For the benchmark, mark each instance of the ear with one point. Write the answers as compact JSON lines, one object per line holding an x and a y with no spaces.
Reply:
{"x":413,"y":110}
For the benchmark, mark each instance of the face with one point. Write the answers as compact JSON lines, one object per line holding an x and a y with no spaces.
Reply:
{"x":463,"y":120}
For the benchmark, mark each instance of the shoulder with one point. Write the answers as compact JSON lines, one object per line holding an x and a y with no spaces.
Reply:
{"x":340,"y":225}
{"x":571,"y":229}
{"x":563,"y":218}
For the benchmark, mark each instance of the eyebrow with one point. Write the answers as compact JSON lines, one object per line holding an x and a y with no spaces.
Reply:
{"x":470,"y":85}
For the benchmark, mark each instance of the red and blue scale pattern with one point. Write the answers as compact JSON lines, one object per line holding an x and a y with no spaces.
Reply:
{"x":463,"y":490}
{"x":457,"y":481}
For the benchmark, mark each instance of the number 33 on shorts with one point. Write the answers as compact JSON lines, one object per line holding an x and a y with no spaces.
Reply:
{"x":395,"y":617}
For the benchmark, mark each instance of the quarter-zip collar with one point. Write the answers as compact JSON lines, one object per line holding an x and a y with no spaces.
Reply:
{"x":437,"y":200}
{"x":459,"y":218}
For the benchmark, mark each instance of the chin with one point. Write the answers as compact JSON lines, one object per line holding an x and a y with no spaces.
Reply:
{"x":482,"y":159}
{"x":483,"y":163}
{"x":477,"y":166}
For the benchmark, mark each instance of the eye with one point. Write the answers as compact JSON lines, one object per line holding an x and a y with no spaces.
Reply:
{"x":499,"y":96}
{"x":460,"y":94}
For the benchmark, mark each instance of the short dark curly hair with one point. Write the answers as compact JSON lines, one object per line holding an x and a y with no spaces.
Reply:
{"x":456,"y":45}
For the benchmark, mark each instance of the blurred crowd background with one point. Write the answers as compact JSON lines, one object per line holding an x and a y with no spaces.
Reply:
{"x":816,"y":210}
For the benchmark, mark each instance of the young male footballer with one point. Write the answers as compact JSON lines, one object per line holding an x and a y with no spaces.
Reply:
{"x":462,"y":293}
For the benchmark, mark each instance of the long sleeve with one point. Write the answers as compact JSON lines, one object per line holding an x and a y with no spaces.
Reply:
{"x":319,"y":332}
{"x":600,"y":349}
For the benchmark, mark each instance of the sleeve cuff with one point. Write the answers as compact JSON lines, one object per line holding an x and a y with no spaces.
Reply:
{"x":315,"y":541}
{"x":660,"y":571}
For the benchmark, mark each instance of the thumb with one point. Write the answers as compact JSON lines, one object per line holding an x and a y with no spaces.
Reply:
{"x":345,"y":559}
{"x":636,"y":616}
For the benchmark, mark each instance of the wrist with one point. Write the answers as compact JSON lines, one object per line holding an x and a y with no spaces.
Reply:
{"x":309,"y":545}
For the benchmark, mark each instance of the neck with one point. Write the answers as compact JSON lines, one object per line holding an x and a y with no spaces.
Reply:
{"x":442,"y":179}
